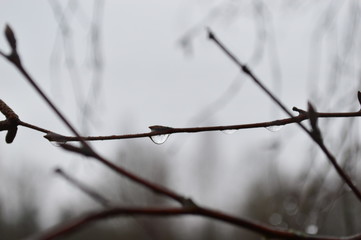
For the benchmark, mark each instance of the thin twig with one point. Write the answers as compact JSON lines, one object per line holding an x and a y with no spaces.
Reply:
{"x":90,"y":192}
{"x":189,"y":207}
{"x":312,"y":134}
{"x":86,"y":149}
{"x":94,"y":195}
{"x":171,"y":130}
{"x":266,"y":231}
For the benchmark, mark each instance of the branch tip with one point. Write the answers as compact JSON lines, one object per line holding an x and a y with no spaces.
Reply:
{"x":10,"y":37}
{"x":11,"y":134}
{"x":300,"y":111}
{"x":210,"y":33}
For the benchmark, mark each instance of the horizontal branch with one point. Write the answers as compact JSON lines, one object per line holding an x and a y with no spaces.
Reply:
{"x":51,"y":136}
{"x":268,"y":232}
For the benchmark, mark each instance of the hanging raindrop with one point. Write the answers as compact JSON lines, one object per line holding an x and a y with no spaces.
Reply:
{"x":274,"y":128}
{"x":229,"y":131}
{"x":159,"y":139}
{"x":55,"y":144}
{"x":312,"y":229}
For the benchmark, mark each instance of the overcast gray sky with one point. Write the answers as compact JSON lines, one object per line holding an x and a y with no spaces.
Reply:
{"x":148,"y":79}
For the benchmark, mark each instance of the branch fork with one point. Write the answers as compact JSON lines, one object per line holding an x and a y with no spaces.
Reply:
{"x":10,"y":124}
{"x":188,"y":206}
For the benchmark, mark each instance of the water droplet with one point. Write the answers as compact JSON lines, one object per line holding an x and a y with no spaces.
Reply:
{"x":311,"y":229}
{"x":55,"y":144}
{"x":159,"y":139}
{"x":229,"y":131}
{"x":274,"y":128}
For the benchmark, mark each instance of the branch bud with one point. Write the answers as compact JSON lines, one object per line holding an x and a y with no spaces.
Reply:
{"x":300,"y":111}
{"x":159,"y":128}
{"x":313,"y":115}
{"x":10,"y":136}
{"x":210,"y":33}
{"x":8,"y":112}
{"x":313,"y":120}
{"x":10,"y":37}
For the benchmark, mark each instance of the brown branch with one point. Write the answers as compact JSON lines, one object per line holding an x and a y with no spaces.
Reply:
{"x":122,"y":171}
{"x":159,"y":130}
{"x":268,"y":232}
{"x":51,"y":136}
{"x":90,"y":192}
{"x":313,"y":134}
{"x":12,"y":120}
{"x":189,"y":207}
{"x":86,"y":149}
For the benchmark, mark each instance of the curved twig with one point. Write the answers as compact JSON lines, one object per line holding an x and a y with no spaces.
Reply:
{"x":266,"y":231}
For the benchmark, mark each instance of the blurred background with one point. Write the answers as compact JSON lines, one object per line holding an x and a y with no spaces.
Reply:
{"x":117,"y":67}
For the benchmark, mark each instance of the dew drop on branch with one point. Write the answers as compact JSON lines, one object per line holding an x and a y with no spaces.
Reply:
{"x":229,"y":131}
{"x":159,"y":139}
{"x":55,"y":144}
{"x":274,"y":128}
{"x":311,"y":229}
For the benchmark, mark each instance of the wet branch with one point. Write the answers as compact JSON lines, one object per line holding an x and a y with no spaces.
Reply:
{"x":314,"y":133}
{"x":90,"y":192}
{"x":269,"y":233}
{"x":85,"y":148}
{"x":303,"y":115}
{"x":188,"y":207}
{"x":51,"y":136}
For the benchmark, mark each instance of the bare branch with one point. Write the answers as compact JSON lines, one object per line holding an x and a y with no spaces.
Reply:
{"x":188,"y":206}
{"x":86,"y":148}
{"x":51,"y":136}
{"x":270,"y":233}
{"x":315,"y":137}
{"x":90,"y":192}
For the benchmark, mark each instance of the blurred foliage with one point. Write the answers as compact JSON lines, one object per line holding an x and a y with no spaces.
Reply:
{"x":290,"y":205}
{"x":22,"y":226}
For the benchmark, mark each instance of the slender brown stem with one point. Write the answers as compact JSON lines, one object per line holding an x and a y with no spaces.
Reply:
{"x":14,"y":58}
{"x":189,"y":207}
{"x":280,"y":122}
{"x":312,"y":134}
{"x":36,"y":128}
{"x":90,"y":192}
{"x":266,"y":231}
